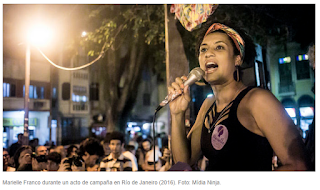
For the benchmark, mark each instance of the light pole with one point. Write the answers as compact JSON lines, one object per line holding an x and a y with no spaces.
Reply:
{"x":26,"y":97}
{"x":37,"y":35}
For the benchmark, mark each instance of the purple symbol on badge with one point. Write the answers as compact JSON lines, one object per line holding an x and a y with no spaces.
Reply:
{"x":219,"y":137}
{"x":220,"y":131}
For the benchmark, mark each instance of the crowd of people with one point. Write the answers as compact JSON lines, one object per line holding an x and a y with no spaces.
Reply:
{"x":110,"y":154}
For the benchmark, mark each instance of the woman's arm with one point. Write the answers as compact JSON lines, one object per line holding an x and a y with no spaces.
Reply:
{"x":188,"y":148}
{"x":275,"y":124}
{"x":184,"y":150}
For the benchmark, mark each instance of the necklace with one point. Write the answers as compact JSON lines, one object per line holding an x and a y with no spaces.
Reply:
{"x":223,"y":113}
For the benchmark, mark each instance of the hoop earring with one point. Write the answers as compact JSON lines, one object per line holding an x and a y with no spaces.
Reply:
{"x":236,"y":74}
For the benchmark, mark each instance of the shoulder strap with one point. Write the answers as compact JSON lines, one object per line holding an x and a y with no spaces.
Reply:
{"x":240,"y":96}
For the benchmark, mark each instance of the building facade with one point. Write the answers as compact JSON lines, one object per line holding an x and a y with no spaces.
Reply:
{"x":292,"y":81}
{"x":71,"y":107}
{"x":13,"y":98}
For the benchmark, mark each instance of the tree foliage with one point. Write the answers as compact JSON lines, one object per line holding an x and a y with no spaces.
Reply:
{"x":131,"y":37}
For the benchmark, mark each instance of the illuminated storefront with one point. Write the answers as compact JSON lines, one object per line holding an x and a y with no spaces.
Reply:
{"x":13,"y":125}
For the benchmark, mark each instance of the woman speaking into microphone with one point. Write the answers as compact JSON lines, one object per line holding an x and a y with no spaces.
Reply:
{"x":240,"y":127}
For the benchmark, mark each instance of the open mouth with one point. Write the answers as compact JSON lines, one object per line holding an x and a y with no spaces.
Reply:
{"x":211,"y":66}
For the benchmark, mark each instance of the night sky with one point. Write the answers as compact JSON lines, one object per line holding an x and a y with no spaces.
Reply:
{"x":300,"y":17}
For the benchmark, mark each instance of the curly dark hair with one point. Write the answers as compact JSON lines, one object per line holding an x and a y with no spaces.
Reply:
{"x":92,"y":146}
{"x":116,"y":135}
{"x":55,"y":157}
{"x":70,"y":149}
{"x":250,"y":51}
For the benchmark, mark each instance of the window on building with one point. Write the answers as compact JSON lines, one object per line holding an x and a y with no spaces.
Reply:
{"x":303,"y":69}
{"x":285,"y":75}
{"x":94,"y":91}
{"x":54,"y":93}
{"x":9,"y":90}
{"x":35,"y":92}
{"x":54,"y":97}
{"x":79,"y":94}
{"x":31,"y":91}
{"x":66,"y":91}
{"x":285,"y":71}
{"x":80,"y":75}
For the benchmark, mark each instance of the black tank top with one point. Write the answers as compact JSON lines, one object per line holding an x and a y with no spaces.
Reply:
{"x":229,"y":146}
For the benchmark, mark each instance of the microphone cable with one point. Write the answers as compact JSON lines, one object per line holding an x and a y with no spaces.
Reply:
{"x":154,"y":137}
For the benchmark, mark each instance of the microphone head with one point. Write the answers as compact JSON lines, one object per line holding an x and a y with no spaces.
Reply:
{"x":195,"y":75}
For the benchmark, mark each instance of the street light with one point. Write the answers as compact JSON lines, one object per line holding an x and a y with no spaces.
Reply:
{"x":37,"y":35}
{"x":83,"y":34}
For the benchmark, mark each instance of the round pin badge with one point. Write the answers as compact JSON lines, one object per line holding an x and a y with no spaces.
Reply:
{"x":219,"y":137}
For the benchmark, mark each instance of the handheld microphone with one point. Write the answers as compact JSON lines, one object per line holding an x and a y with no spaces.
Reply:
{"x":195,"y":75}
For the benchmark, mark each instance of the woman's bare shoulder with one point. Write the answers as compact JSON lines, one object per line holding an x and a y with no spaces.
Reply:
{"x":259,"y":99}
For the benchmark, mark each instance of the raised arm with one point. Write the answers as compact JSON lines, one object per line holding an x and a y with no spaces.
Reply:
{"x":178,"y":107}
{"x":185,"y":149}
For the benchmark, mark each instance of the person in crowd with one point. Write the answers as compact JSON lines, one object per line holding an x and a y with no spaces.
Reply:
{"x":116,"y":161}
{"x":90,"y":152}
{"x":130,"y":148}
{"x":6,"y":157}
{"x":61,"y":150}
{"x":15,"y":146}
{"x":95,"y":167}
{"x":152,"y":161}
{"x":53,"y":161}
{"x":167,"y":159}
{"x":41,"y":158}
{"x":23,"y":160}
{"x":146,"y":156}
{"x":51,"y":149}
{"x":142,"y":150}
{"x":129,"y":152}
{"x":105,"y":144}
{"x":238,"y":120}
{"x":72,"y":150}
{"x":310,"y":138}
{"x":135,"y":144}
{"x":6,"y":161}
{"x":41,"y":150}
{"x":34,"y":143}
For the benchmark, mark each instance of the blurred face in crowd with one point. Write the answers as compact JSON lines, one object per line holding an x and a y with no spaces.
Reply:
{"x":106,"y":148}
{"x":146,"y":145}
{"x":42,"y":150}
{"x":116,"y":148}
{"x":90,"y":160}
{"x":52,"y":166}
{"x":6,"y":158}
{"x":25,"y":157}
{"x":20,"y":137}
{"x":74,"y":152}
